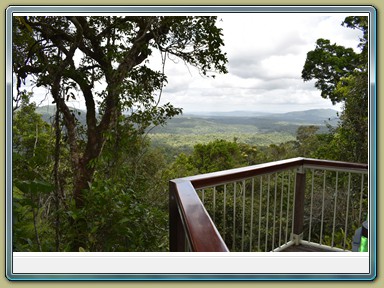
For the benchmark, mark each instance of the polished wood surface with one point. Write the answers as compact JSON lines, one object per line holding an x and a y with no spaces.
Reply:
{"x":198,"y":226}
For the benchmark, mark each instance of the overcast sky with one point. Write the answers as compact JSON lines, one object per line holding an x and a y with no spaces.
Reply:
{"x":266,"y":54}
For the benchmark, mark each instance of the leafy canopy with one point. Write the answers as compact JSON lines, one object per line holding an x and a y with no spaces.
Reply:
{"x":104,"y":61}
{"x":342,"y":76}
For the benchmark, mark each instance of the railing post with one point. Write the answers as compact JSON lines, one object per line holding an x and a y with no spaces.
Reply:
{"x":298,"y":223}
{"x":176,"y":230}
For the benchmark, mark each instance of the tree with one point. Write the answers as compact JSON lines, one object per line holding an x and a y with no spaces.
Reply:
{"x":32,"y":140}
{"x":71,"y":55}
{"x":113,"y":49}
{"x":342,"y":76}
{"x":32,"y":143}
{"x":328,"y":64}
{"x":215,"y":156}
{"x":307,"y":140}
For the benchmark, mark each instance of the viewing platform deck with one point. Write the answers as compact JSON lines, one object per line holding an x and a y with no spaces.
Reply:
{"x":293,"y":205}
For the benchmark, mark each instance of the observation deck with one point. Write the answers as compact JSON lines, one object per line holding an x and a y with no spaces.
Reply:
{"x":293,"y":205}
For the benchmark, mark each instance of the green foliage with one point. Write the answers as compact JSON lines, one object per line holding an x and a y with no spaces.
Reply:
{"x":307,"y":140}
{"x":215,"y":156}
{"x":32,"y":186}
{"x":114,"y":219}
{"x":31,"y":225}
{"x":360,"y":23}
{"x":342,"y":76}
{"x":328,"y":63}
{"x":111,"y":148}
{"x":242,"y":123}
{"x":273,"y":197}
{"x":352,"y":134}
{"x":252,"y":221}
{"x":345,"y":193}
{"x":32,"y":141}
{"x":184,"y":143}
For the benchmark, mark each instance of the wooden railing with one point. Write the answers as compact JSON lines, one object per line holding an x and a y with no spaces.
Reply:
{"x":192,"y":227}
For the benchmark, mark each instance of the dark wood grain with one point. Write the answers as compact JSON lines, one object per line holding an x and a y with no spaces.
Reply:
{"x":198,"y":226}
{"x":216,"y":178}
{"x":298,"y":222}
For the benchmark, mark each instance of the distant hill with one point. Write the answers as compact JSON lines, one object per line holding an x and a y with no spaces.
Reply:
{"x":228,"y":114}
{"x":306,"y":115}
{"x":48,"y":113}
{"x":229,"y":122}
{"x":247,"y":122}
{"x":312,"y":115}
{"x":47,"y":110}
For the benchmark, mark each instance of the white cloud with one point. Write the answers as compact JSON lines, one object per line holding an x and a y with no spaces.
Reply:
{"x":266,"y":54}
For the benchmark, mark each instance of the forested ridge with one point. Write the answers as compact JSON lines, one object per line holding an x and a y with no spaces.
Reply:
{"x":97,"y":179}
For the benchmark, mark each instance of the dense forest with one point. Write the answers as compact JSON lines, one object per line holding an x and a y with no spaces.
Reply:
{"x":97,"y":180}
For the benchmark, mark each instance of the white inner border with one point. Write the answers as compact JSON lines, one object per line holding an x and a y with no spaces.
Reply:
{"x":189,"y":263}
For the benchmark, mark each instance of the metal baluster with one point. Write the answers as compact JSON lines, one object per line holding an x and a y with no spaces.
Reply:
{"x":260,"y":200}
{"x":335,"y":210}
{"x":322,"y":209}
{"x":234,"y":216}
{"x":252,"y":193}
{"x":214,"y":204}
{"x":281,"y":207}
{"x":361,"y":198}
{"x":202,"y":195}
{"x":347,"y":212}
{"x":267,"y":215}
{"x":274,"y":214}
{"x":225,"y":212}
{"x":243,"y":224}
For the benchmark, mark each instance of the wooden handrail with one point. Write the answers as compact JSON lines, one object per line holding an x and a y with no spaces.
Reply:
{"x":336,"y":165}
{"x":199,"y":228}
{"x":221,"y":177}
{"x":189,"y":218}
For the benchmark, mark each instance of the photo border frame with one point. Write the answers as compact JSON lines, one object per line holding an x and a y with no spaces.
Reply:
{"x":198,"y":9}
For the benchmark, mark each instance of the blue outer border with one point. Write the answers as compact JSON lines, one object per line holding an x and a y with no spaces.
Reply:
{"x":373,"y":139}
{"x":196,"y":9}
